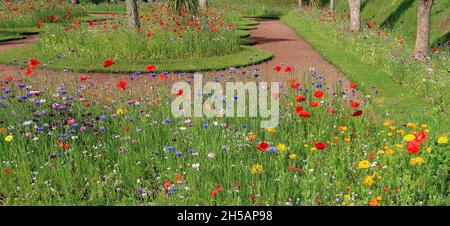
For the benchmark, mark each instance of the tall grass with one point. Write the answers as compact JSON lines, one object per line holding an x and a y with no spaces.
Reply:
{"x":162,"y":37}
{"x":23,"y":13}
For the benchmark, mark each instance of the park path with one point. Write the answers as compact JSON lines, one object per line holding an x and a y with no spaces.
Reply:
{"x":272,"y":35}
{"x":291,"y":50}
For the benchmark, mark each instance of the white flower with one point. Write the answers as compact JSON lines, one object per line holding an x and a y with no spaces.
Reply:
{"x":211,"y":155}
{"x":196,"y":165}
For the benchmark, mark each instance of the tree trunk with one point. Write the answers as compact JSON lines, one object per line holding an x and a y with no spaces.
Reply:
{"x":423,"y":29}
{"x":133,"y":16}
{"x":355,"y":15}
{"x":203,"y":4}
{"x":113,"y":1}
{"x":332,"y":5}
{"x":300,"y":3}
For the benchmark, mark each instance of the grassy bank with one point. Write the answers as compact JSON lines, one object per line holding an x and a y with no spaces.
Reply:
{"x":394,"y":98}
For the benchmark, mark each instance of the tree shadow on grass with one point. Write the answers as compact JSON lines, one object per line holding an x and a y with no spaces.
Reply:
{"x":392,"y":19}
{"x":443,"y":40}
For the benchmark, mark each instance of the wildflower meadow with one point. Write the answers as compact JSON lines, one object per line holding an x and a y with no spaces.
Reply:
{"x":165,"y":104}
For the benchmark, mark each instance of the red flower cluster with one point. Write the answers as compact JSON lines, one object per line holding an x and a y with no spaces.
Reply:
{"x":413,"y":146}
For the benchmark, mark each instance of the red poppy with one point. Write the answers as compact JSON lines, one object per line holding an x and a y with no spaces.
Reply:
{"x":38,"y":26}
{"x":413,"y":146}
{"x":353,"y":85}
{"x":214,"y":193}
{"x":295,"y":85}
{"x":435,"y":50}
{"x":277,"y":68}
{"x":354,"y":104}
{"x":108,"y":63}
{"x":263,"y":146}
{"x":41,"y":20}
{"x":304,"y":114}
{"x":33,"y":63}
{"x":320,"y":145}
{"x":318,"y":94}
{"x":357,"y":113}
{"x":150,"y":68}
{"x":52,"y":17}
{"x":180,"y":92}
{"x":421,"y":136}
{"x":300,"y":98}
{"x":288,"y":69}
{"x":65,"y":146}
{"x":29,"y":71}
{"x":122,"y":84}
{"x":315,"y":104}
{"x":167,"y":184}
{"x":298,"y":109}
{"x":369,"y":26}
{"x":162,"y":76}
{"x":83,"y":78}
{"x":6,"y":171}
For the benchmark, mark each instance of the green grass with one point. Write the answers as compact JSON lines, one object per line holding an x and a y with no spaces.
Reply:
{"x":10,"y":37}
{"x":107,"y":164}
{"x":29,"y":13}
{"x":393,"y":98}
{"x":105,"y":8}
{"x":400,"y":16}
{"x":247,"y":56}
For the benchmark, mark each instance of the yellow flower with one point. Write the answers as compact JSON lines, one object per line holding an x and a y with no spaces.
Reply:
{"x":271,"y":130}
{"x":292,"y":156}
{"x":347,"y":196}
{"x":120,"y":111}
{"x":313,"y":149}
{"x":392,"y":127}
{"x":390,"y":152}
{"x":369,"y":180}
{"x":347,"y":140}
{"x":390,"y":134}
{"x":256,"y":169}
{"x":9,"y":138}
{"x":443,"y":140}
{"x":342,"y":128}
{"x":281,"y":147}
{"x":379,"y":198}
{"x":305,"y":145}
{"x":417,"y":161}
{"x":364,"y":164}
{"x":409,"y":137}
{"x":411,"y":125}
{"x":399,"y":146}
{"x":380,"y":152}
{"x":400,"y":131}
{"x":388,"y":122}
{"x":108,"y":100}
{"x":351,"y":204}
{"x":429,"y":149}
{"x":423,"y":126}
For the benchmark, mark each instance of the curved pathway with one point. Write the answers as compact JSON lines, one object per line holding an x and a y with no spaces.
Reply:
{"x":273,"y":35}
